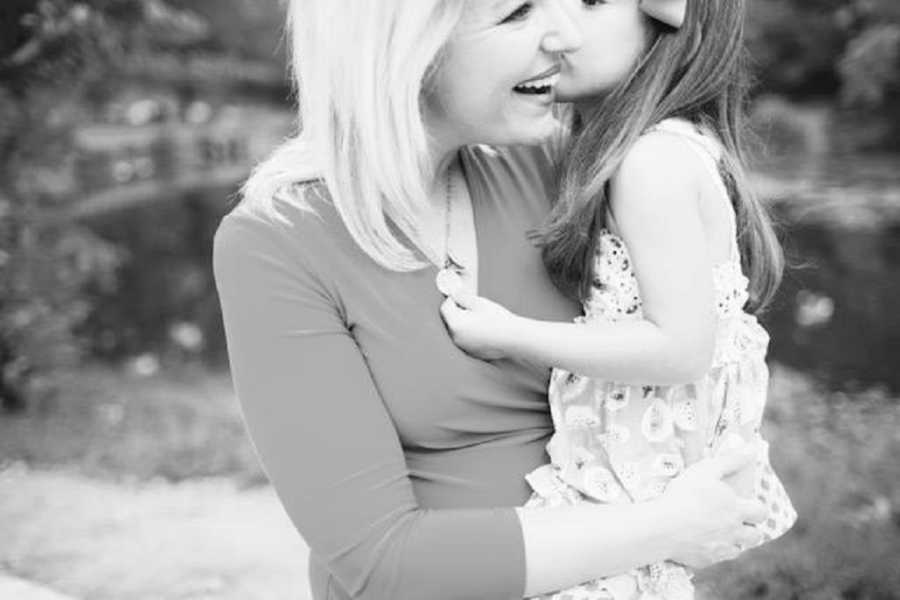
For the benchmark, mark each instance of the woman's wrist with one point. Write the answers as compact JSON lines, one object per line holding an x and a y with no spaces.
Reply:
{"x":665,"y":513}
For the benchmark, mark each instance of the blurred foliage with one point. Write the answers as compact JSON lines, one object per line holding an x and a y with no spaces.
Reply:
{"x":843,"y":53}
{"x":59,"y":62}
{"x":836,"y":454}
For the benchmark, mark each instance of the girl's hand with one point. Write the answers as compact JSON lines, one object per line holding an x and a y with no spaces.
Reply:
{"x":716,"y":523}
{"x":478,"y":326}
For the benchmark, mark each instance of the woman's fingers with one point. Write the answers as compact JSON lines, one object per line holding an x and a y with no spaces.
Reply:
{"x":752,"y":511}
{"x":749,"y":537}
{"x":724,"y":552}
{"x":731,"y":462}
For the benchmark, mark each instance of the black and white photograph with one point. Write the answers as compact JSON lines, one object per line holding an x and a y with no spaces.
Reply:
{"x":449,"y":299}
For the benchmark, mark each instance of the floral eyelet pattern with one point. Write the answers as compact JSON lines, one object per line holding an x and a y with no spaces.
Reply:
{"x":615,"y":442}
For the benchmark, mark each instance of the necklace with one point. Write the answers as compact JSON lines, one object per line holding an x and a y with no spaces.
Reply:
{"x":449,"y":278}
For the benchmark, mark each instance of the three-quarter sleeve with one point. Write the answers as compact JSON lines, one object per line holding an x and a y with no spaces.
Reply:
{"x":326,"y":439}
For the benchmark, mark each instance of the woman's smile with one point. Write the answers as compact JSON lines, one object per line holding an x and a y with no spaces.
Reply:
{"x":543,"y":84}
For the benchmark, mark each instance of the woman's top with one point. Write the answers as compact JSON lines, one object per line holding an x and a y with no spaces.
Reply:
{"x":398,"y":457}
{"x":617,"y":442}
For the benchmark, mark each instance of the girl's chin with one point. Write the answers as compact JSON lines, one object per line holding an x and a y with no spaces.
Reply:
{"x":571,"y":94}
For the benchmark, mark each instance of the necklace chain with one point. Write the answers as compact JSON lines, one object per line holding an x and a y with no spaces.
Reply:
{"x":448,"y":215}
{"x":449,"y":261}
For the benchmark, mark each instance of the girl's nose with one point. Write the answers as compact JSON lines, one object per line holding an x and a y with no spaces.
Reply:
{"x":563,"y":34}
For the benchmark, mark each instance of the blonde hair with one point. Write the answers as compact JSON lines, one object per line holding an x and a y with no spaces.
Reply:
{"x":360,"y":69}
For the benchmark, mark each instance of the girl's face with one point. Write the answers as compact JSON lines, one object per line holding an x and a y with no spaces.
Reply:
{"x":616,"y":35}
{"x":497,"y":78}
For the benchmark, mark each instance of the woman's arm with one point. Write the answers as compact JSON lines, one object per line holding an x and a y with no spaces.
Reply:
{"x":333,"y":455}
{"x":328,"y":444}
{"x":654,"y":197}
{"x":698,"y":521}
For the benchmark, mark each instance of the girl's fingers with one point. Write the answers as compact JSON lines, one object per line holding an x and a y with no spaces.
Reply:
{"x":449,"y":309}
{"x":465,"y":299}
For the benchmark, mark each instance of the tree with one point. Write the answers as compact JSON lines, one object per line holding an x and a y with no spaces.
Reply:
{"x":846,"y":53}
{"x":59,"y":60}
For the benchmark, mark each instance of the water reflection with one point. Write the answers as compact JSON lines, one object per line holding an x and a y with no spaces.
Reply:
{"x":834,"y":316}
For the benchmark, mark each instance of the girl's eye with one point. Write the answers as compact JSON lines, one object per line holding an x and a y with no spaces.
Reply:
{"x":520,"y":13}
{"x":593,"y":2}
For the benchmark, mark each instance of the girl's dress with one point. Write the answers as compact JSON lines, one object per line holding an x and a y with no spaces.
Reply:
{"x":616,"y":442}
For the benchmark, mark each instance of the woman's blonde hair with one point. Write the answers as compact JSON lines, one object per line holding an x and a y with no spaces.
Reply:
{"x":360,"y":70}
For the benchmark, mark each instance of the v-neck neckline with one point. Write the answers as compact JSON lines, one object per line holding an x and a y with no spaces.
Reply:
{"x":473,"y":191}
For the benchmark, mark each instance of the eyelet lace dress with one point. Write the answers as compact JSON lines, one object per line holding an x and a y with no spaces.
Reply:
{"x":617,"y":443}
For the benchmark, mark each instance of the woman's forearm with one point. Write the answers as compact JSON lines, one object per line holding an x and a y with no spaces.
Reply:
{"x":568,"y":545}
{"x":630,"y":352}
{"x":698,"y":521}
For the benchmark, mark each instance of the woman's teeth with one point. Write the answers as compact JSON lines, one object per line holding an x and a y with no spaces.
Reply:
{"x":538,"y":86}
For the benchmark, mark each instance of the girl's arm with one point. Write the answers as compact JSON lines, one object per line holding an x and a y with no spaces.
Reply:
{"x":654,"y":198}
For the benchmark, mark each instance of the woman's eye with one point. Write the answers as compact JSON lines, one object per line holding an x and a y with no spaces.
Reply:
{"x":593,"y":2}
{"x":520,"y":13}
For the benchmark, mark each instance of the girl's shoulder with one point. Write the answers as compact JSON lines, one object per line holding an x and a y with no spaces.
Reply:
{"x":673,"y":154}
{"x":657,"y":160}
{"x":676,"y":141}
{"x":700,"y":139}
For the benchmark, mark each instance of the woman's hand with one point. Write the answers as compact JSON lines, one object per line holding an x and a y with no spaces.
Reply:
{"x":716,"y":521}
{"x":479,"y":326}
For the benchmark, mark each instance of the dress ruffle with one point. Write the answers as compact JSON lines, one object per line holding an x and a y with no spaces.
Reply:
{"x":616,"y":443}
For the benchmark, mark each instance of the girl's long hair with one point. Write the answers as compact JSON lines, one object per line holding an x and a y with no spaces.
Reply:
{"x":360,"y":69}
{"x":699,"y":73}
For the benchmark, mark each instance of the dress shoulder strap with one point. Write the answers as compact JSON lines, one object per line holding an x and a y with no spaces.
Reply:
{"x":709,"y":149}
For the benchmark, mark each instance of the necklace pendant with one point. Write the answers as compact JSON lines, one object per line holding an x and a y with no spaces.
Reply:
{"x":449,"y":279}
{"x":453,"y":264}
{"x":449,"y":282}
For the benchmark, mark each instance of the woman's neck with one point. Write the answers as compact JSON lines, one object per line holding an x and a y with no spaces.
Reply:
{"x":444,"y":158}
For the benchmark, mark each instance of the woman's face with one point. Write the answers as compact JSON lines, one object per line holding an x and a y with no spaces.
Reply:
{"x":615,"y":34}
{"x":496,"y":81}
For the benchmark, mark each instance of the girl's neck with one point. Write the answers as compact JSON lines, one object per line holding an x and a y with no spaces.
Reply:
{"x":586,"y":108}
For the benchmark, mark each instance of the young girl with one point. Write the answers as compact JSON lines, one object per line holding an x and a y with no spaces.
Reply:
{"x":653,"y":232}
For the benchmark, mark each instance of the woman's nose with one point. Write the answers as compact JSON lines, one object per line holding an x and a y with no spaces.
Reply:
{"x":563,"y":35}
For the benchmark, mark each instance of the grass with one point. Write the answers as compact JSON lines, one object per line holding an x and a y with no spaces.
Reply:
{"x":192,"y":540}
{"x":109,"y":424}
{"x":837,"y":454}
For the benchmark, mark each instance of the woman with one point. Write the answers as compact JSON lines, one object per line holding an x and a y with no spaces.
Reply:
{"x":399,"y":458}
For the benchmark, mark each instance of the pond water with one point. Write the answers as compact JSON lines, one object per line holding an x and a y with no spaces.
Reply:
{"x":835,"y":315}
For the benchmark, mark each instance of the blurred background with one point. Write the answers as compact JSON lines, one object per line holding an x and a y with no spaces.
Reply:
{"x":125,"y":129}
